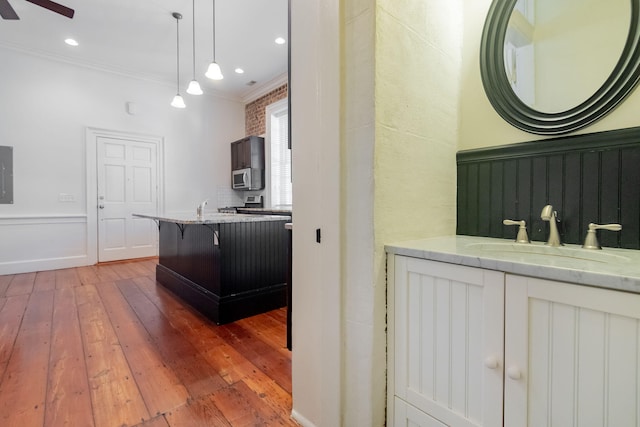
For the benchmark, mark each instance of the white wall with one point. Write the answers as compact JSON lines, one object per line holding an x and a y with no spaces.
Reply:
{"x":45,"y":108}
{"x":362,"y":387}
{"x":317,"y":301}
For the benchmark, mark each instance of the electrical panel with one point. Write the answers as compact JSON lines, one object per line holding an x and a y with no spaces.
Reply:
{"x":6,"y":175}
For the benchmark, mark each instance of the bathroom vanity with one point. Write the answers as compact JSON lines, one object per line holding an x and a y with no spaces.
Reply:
{"x":488,"y":332}
{"x":227,"y":266}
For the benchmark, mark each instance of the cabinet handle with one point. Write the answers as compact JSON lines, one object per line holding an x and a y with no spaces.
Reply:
{"x":491,"y":362}
{"x":514,"y":373}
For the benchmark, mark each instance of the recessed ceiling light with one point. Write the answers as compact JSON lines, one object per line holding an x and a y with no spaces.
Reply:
{"x":280,"y":40}
{"x":71,"y":42}
{"x":239,"y":70}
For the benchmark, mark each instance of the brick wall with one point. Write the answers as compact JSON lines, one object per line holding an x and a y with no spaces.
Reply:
{"x":254,"y":112}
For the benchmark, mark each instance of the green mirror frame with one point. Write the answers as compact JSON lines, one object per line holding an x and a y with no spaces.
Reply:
{"x":618,"y":85}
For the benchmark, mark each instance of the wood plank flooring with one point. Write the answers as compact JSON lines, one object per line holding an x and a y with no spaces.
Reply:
{"x":106,"y":346}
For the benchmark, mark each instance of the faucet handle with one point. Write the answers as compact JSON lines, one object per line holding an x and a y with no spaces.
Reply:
{"x":610,"y":227}
{"x":591,"y":240}
{"x":522,"y":236}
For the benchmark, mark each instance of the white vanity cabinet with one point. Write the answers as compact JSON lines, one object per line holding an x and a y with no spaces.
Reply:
{"x":446,"y":325}
{"x":476,"y":347}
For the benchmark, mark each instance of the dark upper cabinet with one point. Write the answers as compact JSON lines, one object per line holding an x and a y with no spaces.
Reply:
{"x":247,"y":152}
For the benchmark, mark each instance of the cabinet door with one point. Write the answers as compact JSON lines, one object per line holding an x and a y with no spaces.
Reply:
{"x":572,"y":355}
{"x":240,"y":154}
{"x":236,"y":162}
{"x":448,"y":339}
{"x":245,"y":153}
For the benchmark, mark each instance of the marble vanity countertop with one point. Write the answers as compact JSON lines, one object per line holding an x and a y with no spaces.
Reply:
{"x":214,"y":218}
{"x":609,"y":268}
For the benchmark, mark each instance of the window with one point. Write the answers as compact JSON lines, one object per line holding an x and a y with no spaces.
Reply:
{"x":280,"y":190}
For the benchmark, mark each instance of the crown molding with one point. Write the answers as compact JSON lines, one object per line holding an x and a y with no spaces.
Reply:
{"x":263,"y":89}
{"x":110,"y":70}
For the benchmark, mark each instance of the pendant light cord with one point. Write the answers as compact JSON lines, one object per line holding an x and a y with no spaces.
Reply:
{"x":194,"y":38}
{"x":214,"y":30}
{"x":178,"y":52}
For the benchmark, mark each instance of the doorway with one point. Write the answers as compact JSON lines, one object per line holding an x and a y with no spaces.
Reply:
{"x":124,"y":176}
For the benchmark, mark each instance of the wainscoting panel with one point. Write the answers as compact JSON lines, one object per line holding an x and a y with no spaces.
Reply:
{"x":37,"y":243}
{"x":587,"y":178}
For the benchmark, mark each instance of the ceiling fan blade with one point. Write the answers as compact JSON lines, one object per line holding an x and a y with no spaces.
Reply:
{"x":6,"y":11}
{"x":54,"y":7}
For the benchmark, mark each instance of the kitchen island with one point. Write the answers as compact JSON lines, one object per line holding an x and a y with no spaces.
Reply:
{"x":227,"y":266}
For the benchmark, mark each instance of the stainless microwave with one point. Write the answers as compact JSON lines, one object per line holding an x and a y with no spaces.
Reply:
{"x":247,"y":179}
{"x":241,"y":179}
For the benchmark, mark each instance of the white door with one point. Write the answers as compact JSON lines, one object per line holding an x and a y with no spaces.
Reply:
{"x":127,"y":183}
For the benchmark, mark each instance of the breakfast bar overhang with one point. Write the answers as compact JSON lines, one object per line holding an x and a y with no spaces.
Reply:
{"x":227,"y":266}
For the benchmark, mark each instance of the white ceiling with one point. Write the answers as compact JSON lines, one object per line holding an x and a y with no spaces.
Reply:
{"x":138,"y":37}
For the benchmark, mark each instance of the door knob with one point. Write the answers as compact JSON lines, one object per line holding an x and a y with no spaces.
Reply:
{"x":514,"y":373}
{"x":101,"y":206}
{"x":491,"y":362}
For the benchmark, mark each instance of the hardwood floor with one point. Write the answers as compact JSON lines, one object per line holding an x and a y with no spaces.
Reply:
{"x":106,"y":346}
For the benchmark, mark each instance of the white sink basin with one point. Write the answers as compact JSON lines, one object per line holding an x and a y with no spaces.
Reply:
{"x":540,"y":250}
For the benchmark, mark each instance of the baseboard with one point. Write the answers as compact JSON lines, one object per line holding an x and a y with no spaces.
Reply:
{"x":300,"y":419}
{"x":28,"y":266}
{"x":43,"y":242}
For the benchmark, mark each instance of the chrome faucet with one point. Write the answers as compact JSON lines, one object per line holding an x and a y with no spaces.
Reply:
{"x":548,"y":214}
{"x":200,"y":209}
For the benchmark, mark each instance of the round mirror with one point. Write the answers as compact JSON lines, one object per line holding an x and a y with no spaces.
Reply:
{"x":554,"y":66}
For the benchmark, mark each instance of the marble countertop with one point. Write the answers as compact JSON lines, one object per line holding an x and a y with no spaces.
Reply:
{"x":607,"y":268}
{"x":214,"y":218}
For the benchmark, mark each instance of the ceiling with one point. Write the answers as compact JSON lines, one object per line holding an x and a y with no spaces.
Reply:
{"x":138,"y":38}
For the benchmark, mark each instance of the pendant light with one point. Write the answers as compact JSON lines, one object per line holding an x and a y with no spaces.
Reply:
{"x":177,"y":102}
{"x":194,"y":86}
{"x":214,"y":72}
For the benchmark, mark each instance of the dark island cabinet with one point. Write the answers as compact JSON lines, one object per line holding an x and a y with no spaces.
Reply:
{"x":247,"y":153}
{"x":227,"y":271}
